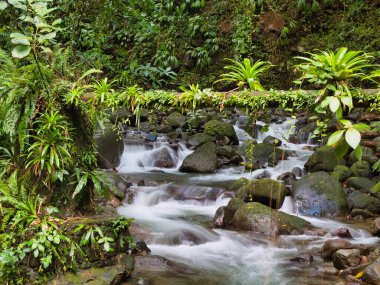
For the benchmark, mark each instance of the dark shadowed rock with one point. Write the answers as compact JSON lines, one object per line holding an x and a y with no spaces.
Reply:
{"x":109,"y":147}
{"x":342,"y":233}
{"x":360,"y":200}
{"x":362,"y":184}
{"x":202,"y":160}
{"x":344,"y":258}
{"x":372,"y":273}
{"x":199,"y":139}
{"x":220,"y":129}
{"x":164,"y":159}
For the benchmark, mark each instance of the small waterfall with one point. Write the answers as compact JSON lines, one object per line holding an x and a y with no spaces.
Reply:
{"x":280,"y":131}
{"x":141,"y":157}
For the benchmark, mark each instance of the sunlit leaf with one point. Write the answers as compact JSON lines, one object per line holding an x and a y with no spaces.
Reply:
{"x":353,"y":137}
{"x":335,"y":137}
{"x":21,"y":51}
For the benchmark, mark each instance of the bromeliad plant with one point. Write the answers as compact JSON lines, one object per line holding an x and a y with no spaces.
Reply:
{"x":333,"y":73}
{"x":246,"y":73}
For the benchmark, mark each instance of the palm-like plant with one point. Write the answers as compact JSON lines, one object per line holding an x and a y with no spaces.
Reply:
{"x":333,"y":72}
{"x":245,"y":73}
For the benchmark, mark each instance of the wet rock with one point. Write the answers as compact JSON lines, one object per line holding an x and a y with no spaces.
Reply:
{"x":224,"y":215}
{"x":342,"y":233}
{"x":175,"y":120}
{"x":265,"y":191}
{"x":150,"y":138}
{"x":164,"y":159}
{"x":272,"y":141}
{"x":263,"y":220}
{"x":199,"y":139}
{"x":164,"y":129}
{"x":324,"y":159}
{"x":341,"y":173}
{"x":218,"y":220}
{"x":109,"y":147}
{"x":226,"y":151}
{"x":372,"y":273}
{"x":344,"y":258}
{"x":220,"y":130}
{"x":298,"y":171}
{"x":198,"y":193}
{"x":360,"y":200}
{"x":289,"y":178}
{"x":318,"y":194}
{"x":156,"y":263}
{"x":262,"y":154}
{"x":361,"y":169}
{"x":362,"y":184}
{"x":202,"y":160}
{"x":362,"y":212}
{"x":375,"y":227}
{"x":302,"y":259}
{"x":332,"y":245}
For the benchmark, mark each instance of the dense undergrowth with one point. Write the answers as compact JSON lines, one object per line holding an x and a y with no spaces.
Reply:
{"x":53,"y":94}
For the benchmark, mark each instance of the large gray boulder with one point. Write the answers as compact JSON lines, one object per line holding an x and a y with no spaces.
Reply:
{"x":259,"y":155}
{"x":164,"y":159}
{"x":262,"y":220}
{"x":319,"y":194}
{"x":202,"y":160}
{"x":220,"y":130}
{"x":265,"y":191}
{"x":323,"y":159}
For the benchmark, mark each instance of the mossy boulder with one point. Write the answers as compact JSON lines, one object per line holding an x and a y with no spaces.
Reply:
{"x":362,"y":184}
{"x":324,"y":159}
{"x":361,"y":169}
{"x":220,"y":130}
{"x":319,"y":194}
{"x":272,"y":141}
{"x":237,"y":184}
{"x":202,"y":160}
{"x":259,"y":155}
{"x":226,"y":151}
{"x":224,"y":214}
{"x":175,"y":120}
{"x":265,"y":191}
{"x":360,"y":200}
{"x":341,"y":173}
{"x":263,"y":220}
{"x":199,"y":139}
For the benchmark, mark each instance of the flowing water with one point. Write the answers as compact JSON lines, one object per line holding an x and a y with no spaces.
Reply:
{"x":178,"y":216}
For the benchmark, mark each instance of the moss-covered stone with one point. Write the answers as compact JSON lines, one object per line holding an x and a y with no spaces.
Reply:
{"x":263,"y":220}
{"x":199,"y":139}
{"x":220,"y":129}
{"x":361,"y":183}
{"x":324,"y":159}
{"x":341,"y":173}
{"x":361,"y":169}
{"x":175,"y":120}
{"x":266,"y":191}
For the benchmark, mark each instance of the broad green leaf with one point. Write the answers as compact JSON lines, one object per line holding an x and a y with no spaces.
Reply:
{"x":347,"y":101}
{"x":3,"y":5}
{"x":334,"y":104}
{"x":358,"y":152}
{"x":346,"y":123}
{"x":361,"y":127}
{"x":82,"y":183}
{"x":19,"y":39}
{"x":48,"y":36}
{"x":21,"y":51}
{"x":335,"y":137}
{"x":353,"y":137}
{"x":325,"y":102}
{"x":57,"y":22}
{"x":46,"y":49}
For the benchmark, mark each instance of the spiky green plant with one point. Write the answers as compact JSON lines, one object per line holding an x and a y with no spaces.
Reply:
{"x":245,"y":73}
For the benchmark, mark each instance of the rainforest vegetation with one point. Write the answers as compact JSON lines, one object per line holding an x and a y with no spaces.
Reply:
{"x":67,"y":67}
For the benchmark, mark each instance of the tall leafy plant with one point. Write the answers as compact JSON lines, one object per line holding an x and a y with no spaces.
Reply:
{"x":245,"y":73}
{"x":333,"y":73}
